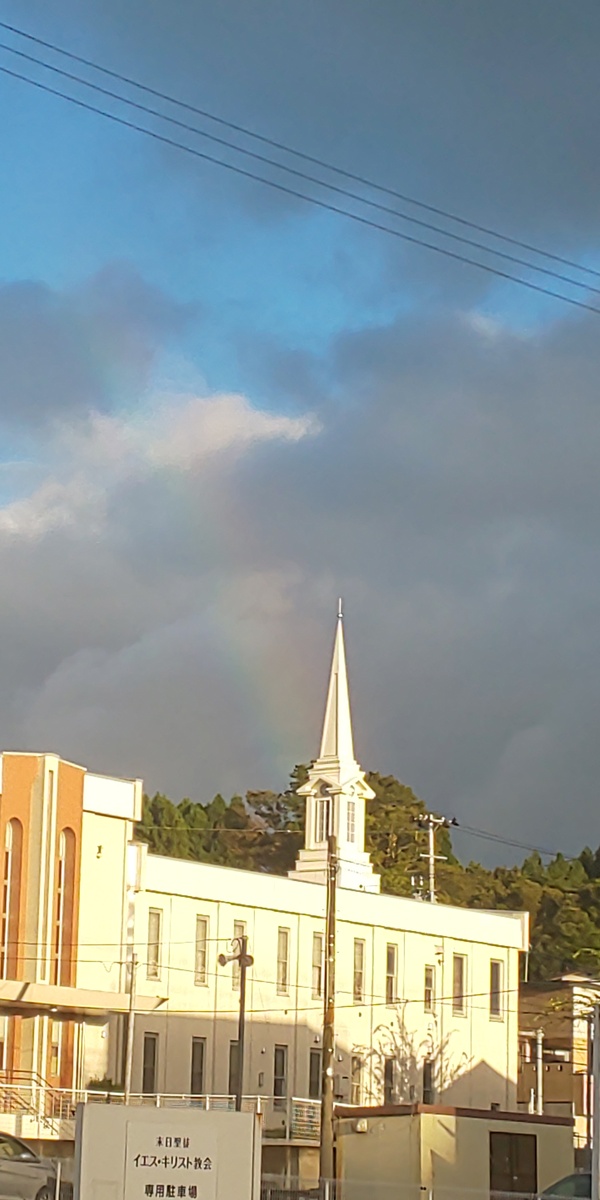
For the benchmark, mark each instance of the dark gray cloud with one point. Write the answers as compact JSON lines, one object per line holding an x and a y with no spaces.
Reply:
{"x":453,"y":498}
{"x":486,"y":108}
{"x":174,"y":619}
{"x":91,"y":347}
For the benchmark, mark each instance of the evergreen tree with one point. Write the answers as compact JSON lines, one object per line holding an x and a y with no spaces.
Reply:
{"x":264,"y":830}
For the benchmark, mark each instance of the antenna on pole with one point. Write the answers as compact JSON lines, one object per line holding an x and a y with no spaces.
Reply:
{"x":340,"y":609}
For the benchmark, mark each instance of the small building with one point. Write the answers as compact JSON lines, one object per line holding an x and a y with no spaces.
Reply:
{"x":556,"y":1014}
{"x":420,"y":1150}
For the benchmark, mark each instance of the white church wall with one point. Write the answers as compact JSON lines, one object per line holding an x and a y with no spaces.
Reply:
{"x":474,"y":1055}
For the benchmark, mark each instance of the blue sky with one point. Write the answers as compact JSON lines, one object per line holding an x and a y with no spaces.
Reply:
{"x":222,"y":407}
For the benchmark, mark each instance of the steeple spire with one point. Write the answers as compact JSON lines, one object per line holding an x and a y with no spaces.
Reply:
{"x":337,"y":740}
{"x":336,"y":791}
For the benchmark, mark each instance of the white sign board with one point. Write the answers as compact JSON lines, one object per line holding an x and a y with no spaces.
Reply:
{"x":170,"y":1161}
{"x":142,"y":1153}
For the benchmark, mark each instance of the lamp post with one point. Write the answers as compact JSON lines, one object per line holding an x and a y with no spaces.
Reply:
{"x":245,"y":960}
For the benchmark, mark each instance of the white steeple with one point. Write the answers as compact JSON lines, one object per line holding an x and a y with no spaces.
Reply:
{"x":336,"y":790}
{"x":336,"y":741}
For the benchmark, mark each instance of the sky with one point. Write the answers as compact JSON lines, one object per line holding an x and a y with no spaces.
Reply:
{"x":222,"y":407}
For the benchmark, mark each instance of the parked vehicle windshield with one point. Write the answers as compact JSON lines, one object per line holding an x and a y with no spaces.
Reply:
{"x":578,"y":1186}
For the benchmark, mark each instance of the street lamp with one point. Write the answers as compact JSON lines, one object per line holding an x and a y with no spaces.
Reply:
{"x":245,"y":960}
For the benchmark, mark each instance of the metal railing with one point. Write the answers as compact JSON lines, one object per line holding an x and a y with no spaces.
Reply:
{"x":297,"y":1120}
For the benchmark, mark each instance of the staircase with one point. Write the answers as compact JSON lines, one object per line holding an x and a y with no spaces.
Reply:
{"x":29,"y":1097}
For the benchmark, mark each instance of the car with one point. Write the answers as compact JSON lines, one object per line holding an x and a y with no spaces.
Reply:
{"x":26,"y":1176}
{"x":573,"y":1187}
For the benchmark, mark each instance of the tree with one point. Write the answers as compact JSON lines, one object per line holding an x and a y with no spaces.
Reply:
{"x":263,"y":831}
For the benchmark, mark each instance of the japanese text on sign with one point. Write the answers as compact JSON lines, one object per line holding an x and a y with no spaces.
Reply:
{"x":169,"y":1166}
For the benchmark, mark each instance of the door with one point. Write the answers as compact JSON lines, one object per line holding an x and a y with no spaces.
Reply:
{"x":150,"y":1064}
{"x":197,"y":1071}
{"x":513,"y":1162}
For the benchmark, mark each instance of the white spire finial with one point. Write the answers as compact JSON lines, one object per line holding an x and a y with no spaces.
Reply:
{"x":340,"y":609}
{"x":337,"y":741}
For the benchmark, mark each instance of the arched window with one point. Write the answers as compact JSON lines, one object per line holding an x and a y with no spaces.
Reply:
{"x":11,"y":898}
{"x":63,"y":921}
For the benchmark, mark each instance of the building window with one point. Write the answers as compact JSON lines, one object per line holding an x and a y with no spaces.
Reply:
{"x":314,"y":1075}
{"x":200,"y":966}
{"x":359,"y":971}
{"x":154,"y":929}
{"x":197,"y":1071}
{"x":356,"y":1079}
{"x":320,"y":820}
{"x":389,"y":1081}
{"x":429,"y":990}
{"x":513,"y":1163}
{"x":11,"y":898}
{"x":64,"y":908}
{"x":391,"y":974}
{"x":350,"y":821}
{"x":280,"y":1076}
{"x":233,"y":1068}
{"x":283,"y":961}
{"x":496,"y":988}
{"x":149,"y":1064}
{"x":459,"y":964}
{"x":55,"y":1048}
{"x":239,"y":931}
{"x":317,"y":966}
{"x":428,"y":1088}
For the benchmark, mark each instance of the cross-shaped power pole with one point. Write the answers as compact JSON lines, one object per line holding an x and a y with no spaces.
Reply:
{"x":432,"y":823}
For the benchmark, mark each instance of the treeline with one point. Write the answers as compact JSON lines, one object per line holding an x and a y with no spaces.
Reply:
{"x":263,"y":831}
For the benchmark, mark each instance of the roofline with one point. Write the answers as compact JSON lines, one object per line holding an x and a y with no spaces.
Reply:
{"x":512,"y":914}
{"x":68,"y":763}
{"x":559,"y":984}
{"x":442,"y":1110}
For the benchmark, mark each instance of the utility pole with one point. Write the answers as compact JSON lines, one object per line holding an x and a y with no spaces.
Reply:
{"x":326,"y":1164}
{"x":595,"y":1189}
{"x":539,"y":1071}
{"x":589,"y":1091}
{"x":432,"y":824}
{"x":130,"y":1029}
{"x":245,"y":960}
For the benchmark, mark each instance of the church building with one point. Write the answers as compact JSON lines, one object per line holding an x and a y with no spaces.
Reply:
{"x":93,"y":926}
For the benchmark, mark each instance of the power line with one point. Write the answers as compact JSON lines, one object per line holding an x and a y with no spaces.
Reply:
{"x":312,"y":179}
{"x":495,"y":837}
{"x":314,"y":200}
{"x":371,"y":835}
{"x":250,"y":133}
